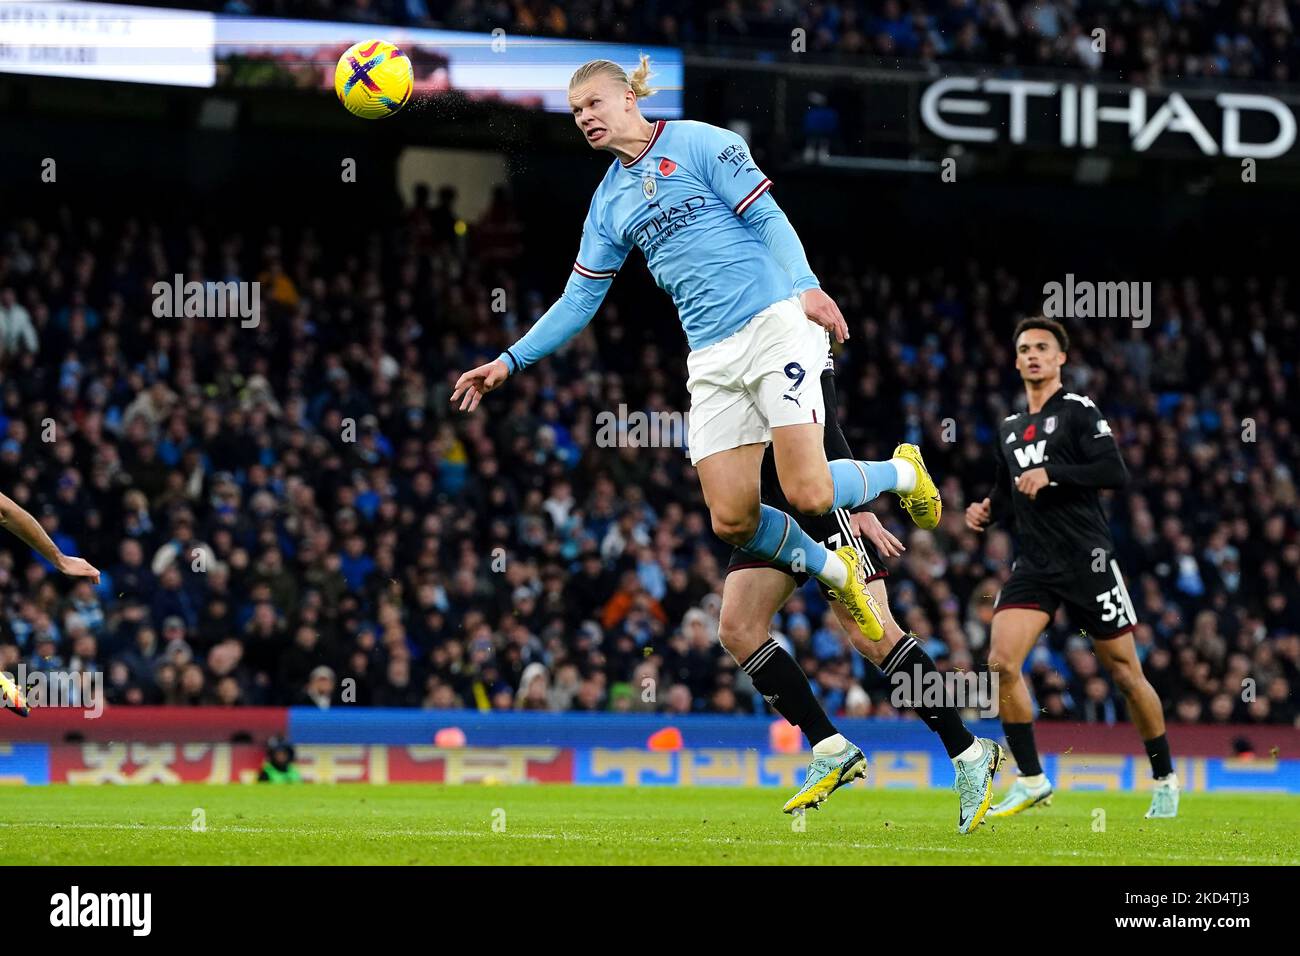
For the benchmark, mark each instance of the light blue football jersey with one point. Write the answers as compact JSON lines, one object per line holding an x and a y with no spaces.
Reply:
{"x":681,"y":202}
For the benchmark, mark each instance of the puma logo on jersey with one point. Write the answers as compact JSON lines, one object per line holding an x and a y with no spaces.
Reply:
{"x":1031,"y":454}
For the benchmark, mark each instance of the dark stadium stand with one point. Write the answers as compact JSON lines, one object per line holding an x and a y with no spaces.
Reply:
{"x":1144,"y":40}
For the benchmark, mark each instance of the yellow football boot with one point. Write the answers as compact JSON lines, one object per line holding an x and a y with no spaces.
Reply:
{"x":922,"y":502}
{"x":855,"y":597}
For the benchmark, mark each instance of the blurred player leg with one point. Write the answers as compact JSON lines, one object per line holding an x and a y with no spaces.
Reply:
{"x":750,"y":599}
{"x":898,"y":652}
{"x":975,"y":760}
{"x":1015,"y":631}
{"x":1119,"y":656}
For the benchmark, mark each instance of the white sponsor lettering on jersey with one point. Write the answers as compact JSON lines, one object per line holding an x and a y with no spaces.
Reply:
{"x":1031,"y":454}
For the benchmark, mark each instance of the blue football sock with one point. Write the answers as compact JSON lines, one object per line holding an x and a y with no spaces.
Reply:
{"x":857,"y":482}
{"x":779,"y":539}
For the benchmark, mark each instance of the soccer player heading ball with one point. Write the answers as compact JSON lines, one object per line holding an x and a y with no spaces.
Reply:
{"x":1051,"y":461}
{"x":691,"y":197}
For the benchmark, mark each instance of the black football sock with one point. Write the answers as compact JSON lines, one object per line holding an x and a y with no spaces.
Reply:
{"x":908,"y":657}
{"x":1020,"y":738}
{"x":1162,"y":765}
{"x":785,"y":687}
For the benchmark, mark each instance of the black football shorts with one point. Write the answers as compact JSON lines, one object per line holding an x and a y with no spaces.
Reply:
{"x":1097,"y":602}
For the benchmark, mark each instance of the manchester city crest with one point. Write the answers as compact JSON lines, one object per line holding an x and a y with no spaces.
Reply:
{"x":648,"y":187}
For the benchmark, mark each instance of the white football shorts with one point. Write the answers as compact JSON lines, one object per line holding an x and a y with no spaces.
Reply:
{"x":765,"y":375}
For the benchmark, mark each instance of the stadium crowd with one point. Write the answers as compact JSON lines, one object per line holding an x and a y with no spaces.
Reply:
{"x":1143,"y":41}
{"x":292,"y":514}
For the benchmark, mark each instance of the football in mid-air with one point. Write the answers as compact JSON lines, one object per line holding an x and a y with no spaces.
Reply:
{"x":374,"y":79}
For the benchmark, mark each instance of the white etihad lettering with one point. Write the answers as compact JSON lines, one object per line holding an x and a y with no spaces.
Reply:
{"x":1082,"y":114}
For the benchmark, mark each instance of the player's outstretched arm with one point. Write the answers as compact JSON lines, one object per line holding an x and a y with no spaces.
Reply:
{"x":599,"y":257}
{"x":18,"y":522}
{"x":570,"y":314}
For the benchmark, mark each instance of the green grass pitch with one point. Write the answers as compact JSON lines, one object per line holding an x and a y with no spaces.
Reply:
{"x":540,"y":824}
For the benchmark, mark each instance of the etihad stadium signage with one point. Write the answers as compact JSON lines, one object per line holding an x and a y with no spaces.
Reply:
{"x":1084,"y":116}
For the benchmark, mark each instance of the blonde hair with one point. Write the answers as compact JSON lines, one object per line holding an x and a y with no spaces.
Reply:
{"x":636,"y":82}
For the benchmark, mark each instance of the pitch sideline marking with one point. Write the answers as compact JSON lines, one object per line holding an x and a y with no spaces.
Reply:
{"x":605,"y":838}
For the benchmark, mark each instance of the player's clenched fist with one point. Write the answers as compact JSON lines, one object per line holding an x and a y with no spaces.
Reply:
{"x":477,"y":382}
{"x":1032,"y":482}
{"x":979,"y":515}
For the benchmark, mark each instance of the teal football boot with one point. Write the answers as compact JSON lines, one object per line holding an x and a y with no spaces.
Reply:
{"x":1021,"y":797}
{"x":974,"y":784}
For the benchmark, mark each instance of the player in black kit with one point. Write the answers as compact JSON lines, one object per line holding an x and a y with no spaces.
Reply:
{"x":1051,"y":461}
{"x":756,"y":589}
